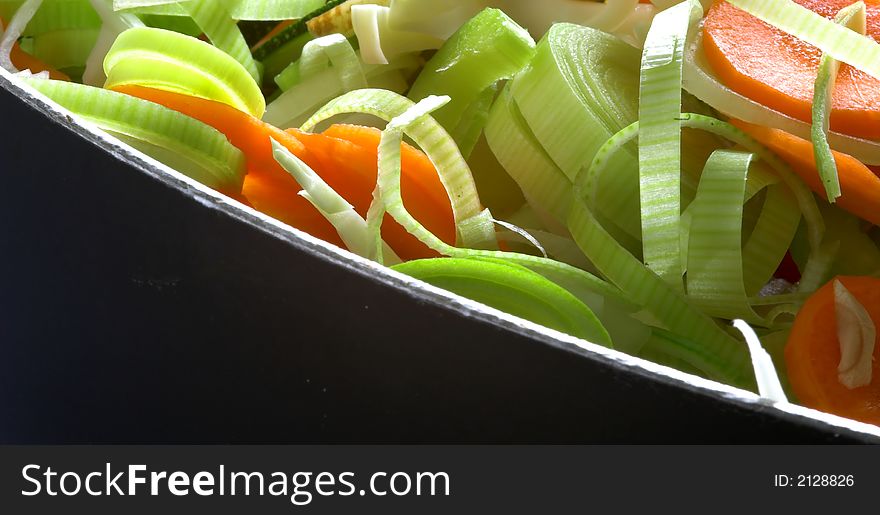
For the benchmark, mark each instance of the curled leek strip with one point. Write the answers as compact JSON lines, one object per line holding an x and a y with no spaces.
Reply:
{"x":660,"y":139}
{"x":167,"y":60}
{"x":181,"y":142}
{"x":22,"y":16}
{"x":853,"y":17}
{"x":354,"y":230}
{"x":512,"y":289}
{"x":453,"y":170}
{"x":585,"y":286}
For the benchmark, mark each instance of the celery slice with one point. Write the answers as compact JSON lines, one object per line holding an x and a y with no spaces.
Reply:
{"x":853,"y":17}
{"x":176,"y":62}
{"x":199,"y":150}
{"x":660,"y":139}
{"x":488,"y":48}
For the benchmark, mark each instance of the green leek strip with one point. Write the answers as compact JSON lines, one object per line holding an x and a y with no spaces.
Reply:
{"x":213,"y":17}
{"x":545,"y":186}
{"x":273,"y":10}
{"x":489,"y":48}
{"x":121,"y":5}
{"x":853,"y":17}
{"x":333,"y":51}
{"x":833,"y":39}
{"x":668,"y":306}
{"x":291,"y":33}
{"x":660,"y":139}
{"x":715,"y":280}
{"x":175,"y":9}
{"x":580,"y":283}
{"x":473,"y":121}
{"x":176,"y":62}
{"x":592,"y":79}
{"x":62,"y":15}
{"x":453,"y":170}
{"x":13,"y":31}
{"x":208,"y":155}
{"x":65,"y":48}
{"x":353,"y":229}
{"x":112,"y":25}
{"x":513,"y":289}
{"x":700,"y":81}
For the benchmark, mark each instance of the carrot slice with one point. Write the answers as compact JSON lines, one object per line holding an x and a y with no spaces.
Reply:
{"x":812,"y":354}
{"x":778,"y":70}
{"x":859,"y":186}
{"x":347,"y":167}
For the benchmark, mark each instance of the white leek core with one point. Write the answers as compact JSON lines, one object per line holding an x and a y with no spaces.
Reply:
{"x":856,"y":333}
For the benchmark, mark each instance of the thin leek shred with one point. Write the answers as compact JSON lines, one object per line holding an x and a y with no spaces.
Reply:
{"x":434,"y":141}
{"x":167,"y":60}
{"x":352,"y":228}
{"x":207,"y":155}
{"x":512,"y":289}
{"x":487,"y":49}
{"x":660,"y":139}
{"x":216,"y":22}
{"x":853,"y":17}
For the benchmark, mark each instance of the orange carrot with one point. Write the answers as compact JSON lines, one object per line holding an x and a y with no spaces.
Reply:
{"x":355,"y":149}
{"x":347,"y":167}
{"x":812,"y":354}
{"x":859,"y":186}
{"x":779,"y":70}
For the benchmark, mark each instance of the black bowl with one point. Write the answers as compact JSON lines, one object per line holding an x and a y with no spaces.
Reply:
{"x":140,"y":306}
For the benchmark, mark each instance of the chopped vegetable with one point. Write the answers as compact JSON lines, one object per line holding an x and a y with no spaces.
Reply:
{"x":813,"y":353}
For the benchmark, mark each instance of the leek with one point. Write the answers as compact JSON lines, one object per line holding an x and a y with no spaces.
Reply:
{"x":853,"y":17}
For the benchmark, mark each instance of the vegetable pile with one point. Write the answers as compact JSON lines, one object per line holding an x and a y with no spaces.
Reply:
{"x":688,"y":182}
